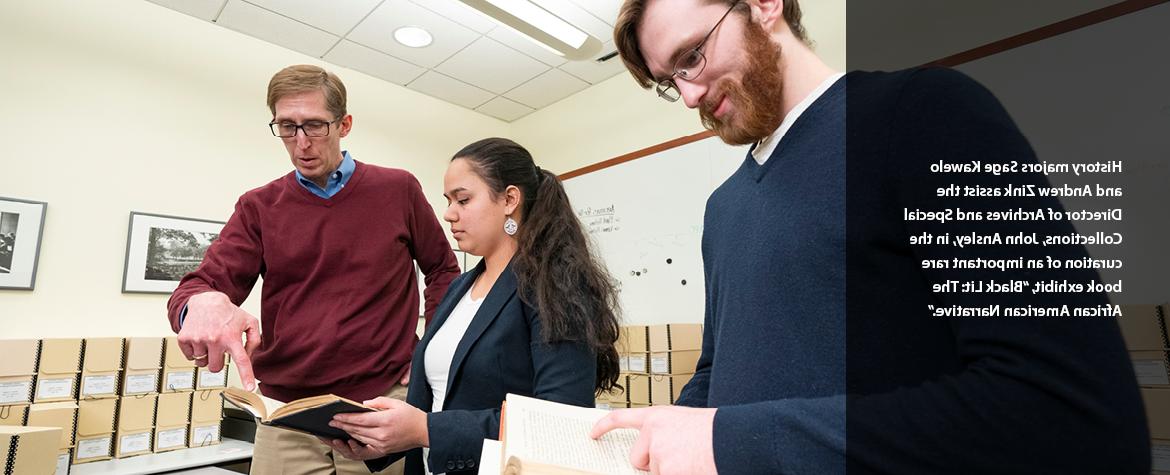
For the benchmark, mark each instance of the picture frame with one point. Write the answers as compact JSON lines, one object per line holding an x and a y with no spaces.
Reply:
{"x":22,"y":225}
{"x":161,"y":249}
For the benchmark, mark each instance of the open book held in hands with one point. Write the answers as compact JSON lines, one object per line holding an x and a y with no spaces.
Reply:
{"x":309,"y":415}
{"x":548,"y":438}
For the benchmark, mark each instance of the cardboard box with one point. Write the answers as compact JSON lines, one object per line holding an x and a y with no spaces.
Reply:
{"x":17,"y":369}
{"x":633,"y":339}
{"x":635,"y":362}
{"x":14,"y":415}
{"x":171,"y":420}
{"x":144,"y":358}
{"x":28,"y":450}
{"x":206,"y":414}
{"x":617,"y":395}
{"x":178,"y":371}
{"x":665,"y":389}
{"x":674,"y":362}
{"x":56,"y":414}
{"x":1143,"y":327}
{"x":100,"y":367}
{"x":1151,"y":367}
{"x":64,"y":462}
{"x":58,"y":369}
{"x":639,"y":389}
{"x":95,"y":430}
{"x":675,"y":337}
{"x":208,"y":380}
{"x":135,"y":425}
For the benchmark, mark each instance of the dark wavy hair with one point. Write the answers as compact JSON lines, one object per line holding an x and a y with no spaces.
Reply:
{"x":556,"y":272}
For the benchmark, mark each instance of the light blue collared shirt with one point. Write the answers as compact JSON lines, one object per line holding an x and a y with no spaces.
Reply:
{"x":337,"y":179}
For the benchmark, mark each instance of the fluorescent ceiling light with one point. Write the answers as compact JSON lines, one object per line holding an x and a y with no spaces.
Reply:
{"x":540,"y":25}
{"x":413,"y":36}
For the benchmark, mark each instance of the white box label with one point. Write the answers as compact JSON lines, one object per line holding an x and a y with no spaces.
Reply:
{"x":140,"y":383}
{"x":1150,"y":372}
{"x":624,"y":363}
{"x":172,"y":438}
{"x":179,"y":380}
{"x":135,"y":443}
{"x":207,"y":379}
{"x":98,"y":385}
{"x":14,"y":391}
{"x":660,"y":364}
{"x":55,"y":388}
{"x":637,"y":364}
{"x":1161,"y":460}
{"x":205,"y":435}
{"x":91,"y":448}
{"x":63,"y":464}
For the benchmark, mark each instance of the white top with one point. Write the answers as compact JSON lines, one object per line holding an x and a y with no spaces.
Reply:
{"x":441,"y":350}
{"x":768,"y":144}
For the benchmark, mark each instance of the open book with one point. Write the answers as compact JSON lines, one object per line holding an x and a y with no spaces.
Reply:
{"x":310,"y":415}
{"x":547,"y":438}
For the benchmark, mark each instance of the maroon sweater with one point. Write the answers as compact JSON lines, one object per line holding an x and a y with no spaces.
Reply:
{"x":339,"y":304}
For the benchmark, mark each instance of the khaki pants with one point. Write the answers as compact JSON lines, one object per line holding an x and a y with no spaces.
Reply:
{"x":279,"y":451}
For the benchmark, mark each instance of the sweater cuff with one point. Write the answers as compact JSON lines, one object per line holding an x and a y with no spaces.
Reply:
{"x":182,"y":316}
{"x":785,"y":436}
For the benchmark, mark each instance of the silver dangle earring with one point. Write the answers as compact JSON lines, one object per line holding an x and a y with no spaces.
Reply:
{"x":510,"y":226}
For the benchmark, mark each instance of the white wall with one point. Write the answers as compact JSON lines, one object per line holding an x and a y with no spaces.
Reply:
{"x":122,"y":105}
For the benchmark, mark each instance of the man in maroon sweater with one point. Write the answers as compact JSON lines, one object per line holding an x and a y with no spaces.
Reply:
{"x":335,"y":241}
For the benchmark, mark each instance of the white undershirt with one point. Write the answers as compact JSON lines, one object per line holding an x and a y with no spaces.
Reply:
{"x":441,"y":350}
{"x":768,"y":144}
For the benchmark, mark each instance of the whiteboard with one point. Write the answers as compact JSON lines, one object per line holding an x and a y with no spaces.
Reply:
{"x":645,"y":218}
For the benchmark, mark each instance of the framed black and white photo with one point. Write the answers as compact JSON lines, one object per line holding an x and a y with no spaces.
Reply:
{"x":160,"y":250}
{"x":21,"y":226}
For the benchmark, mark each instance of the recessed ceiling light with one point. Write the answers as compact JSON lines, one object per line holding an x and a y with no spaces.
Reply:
{"x":413,"y":36}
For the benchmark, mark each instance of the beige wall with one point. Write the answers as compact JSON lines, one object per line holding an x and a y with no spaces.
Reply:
{"x":121,"y":105}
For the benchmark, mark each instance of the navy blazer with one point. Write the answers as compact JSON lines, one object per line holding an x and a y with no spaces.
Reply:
{"x":502,"y":352}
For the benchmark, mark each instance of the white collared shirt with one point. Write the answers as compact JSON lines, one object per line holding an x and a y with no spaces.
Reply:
{"x":768,"y":145}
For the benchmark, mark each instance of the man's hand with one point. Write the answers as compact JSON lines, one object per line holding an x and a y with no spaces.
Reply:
{"x":672,"y":440}
{"x":396,"y":427}
{"x":213,"y":326}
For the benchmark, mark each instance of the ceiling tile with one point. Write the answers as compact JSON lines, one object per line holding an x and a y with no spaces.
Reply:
{"x":373,"y":62}
{"x":252,"y":20}
{"x":504,"y":109}
{"x":335,"y":17}
{"x":579,"y":17}
{"x":523,"y":44}
{"x":546,"y":89}
{"x":593,"y":71}
{"x":377,"y":31}
{"x":205,"y":9}
{"x":490,"y":65}
{"x":606,"y":10}
{"x":460,"y":13}
{"x":450,"y":90}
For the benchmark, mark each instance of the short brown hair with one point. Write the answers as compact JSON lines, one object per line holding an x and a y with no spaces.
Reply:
{"x":625,"y":34}
{"x":306,"y":77}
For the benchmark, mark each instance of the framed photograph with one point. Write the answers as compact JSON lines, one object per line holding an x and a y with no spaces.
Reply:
{"x":22,"y":223}
{"x":160,"y":250}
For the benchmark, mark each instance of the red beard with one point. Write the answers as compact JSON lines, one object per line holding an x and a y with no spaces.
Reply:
{"x":757,"y":98}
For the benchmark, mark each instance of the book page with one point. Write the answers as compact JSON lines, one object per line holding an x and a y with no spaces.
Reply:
{"x":255,"y":403}
{"x":489,"y":458}
{"x":558,"y":434}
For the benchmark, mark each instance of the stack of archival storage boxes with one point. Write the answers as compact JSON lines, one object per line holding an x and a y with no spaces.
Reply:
{"x":139,"y":396}
{"x":674,"y":352}
{"x":1144,"y":330}
{"x":207,"y":405}
{"x":18,"y":371}
{"x":173,"y":416}
{"x":97,"y":399}
{"x":59,"y":371}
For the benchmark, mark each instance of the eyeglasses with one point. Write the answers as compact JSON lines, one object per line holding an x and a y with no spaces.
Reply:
{"x":312,"y":128}
{"x":690,"y":65}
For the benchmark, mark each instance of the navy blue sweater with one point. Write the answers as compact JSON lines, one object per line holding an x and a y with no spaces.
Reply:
{"x":820,"y":350}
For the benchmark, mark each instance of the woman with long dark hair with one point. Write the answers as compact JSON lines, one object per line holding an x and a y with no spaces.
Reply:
{"x":537,"y":317}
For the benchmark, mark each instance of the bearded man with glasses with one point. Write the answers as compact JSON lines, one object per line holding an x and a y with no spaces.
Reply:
{"x":336,"y":241}
{"x":807,"y":242}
